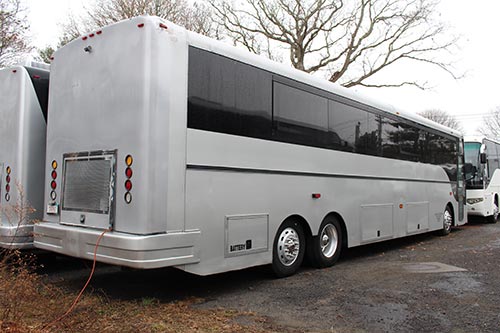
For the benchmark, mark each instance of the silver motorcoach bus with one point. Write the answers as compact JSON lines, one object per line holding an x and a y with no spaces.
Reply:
{"x":199,"y":155}
{"x":23,"y":119}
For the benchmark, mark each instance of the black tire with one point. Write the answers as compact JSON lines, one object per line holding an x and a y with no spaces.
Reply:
{"x":291,"y":234}
{"x":323,"y":254}
{"x":447,"y":222}
{"x":494,"y":218}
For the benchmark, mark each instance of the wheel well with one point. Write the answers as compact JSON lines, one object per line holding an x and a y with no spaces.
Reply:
{"x":307,"y":228}
{"x":496,"y":199}
{"x":450,"y":207}
{"x":303,"y":223}
{"x":342,"y":225}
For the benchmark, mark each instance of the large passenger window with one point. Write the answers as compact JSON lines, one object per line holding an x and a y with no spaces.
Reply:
{"x":358,"y":130}
{"x":227,"y":96}
{"x":300,"y":116}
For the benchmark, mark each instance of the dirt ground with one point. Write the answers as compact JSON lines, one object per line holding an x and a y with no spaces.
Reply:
{"x":424,"y":283}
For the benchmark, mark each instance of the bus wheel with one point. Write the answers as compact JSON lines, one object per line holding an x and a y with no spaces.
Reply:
{"x":494,"y":218}
{"x":288,"y":248}
{"x":447,"y":222}
{"x":324,"y":251}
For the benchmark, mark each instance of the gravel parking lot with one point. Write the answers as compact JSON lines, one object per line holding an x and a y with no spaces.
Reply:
{"x":424,"y":283}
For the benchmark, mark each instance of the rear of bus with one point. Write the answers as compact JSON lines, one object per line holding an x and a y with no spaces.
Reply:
{"x":23,"y":113}
{"x":116,"y":147}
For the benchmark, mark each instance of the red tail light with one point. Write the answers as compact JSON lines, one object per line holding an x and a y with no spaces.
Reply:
{"x":128,"y":183}
{"x":8,"y":170}
{"x":128,"y":172}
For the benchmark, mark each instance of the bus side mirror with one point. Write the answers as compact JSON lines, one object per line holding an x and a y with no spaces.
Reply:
{"x":482,"y":157}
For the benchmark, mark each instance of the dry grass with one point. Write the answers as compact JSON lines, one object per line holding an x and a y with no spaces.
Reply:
{"x":28,"y":305}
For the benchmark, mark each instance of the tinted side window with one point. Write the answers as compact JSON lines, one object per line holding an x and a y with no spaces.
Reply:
{"x":299,"y":116}
{"x":409,"y":140}
{"x":390,"y":138}
{"x":40,"y":80}
{"x":227,"y":96}
{"x":358,"y":130}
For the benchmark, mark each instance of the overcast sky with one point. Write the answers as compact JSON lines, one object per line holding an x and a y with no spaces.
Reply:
{"x":469,"y":99}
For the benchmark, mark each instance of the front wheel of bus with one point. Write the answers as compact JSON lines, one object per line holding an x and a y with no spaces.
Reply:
{"x":447,"y":222}
{"x":494,"y":217}
{"x":288,"y":248}
{"x":324,"y":251}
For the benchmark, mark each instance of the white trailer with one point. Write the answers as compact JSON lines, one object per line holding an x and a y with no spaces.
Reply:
{"x":199,"y":155}
{"x":23,"y":119}
{"x":482,"y":158}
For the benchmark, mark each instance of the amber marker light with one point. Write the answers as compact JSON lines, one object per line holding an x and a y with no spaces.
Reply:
{"x":129,"y":160}
{"x":8,"y":170}
{"x":54,"y":164}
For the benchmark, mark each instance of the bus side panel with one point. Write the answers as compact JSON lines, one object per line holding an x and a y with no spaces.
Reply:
{"x":231,"y":176}
{"x":33,"y":151}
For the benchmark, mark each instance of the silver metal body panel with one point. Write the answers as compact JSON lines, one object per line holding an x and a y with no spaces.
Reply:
{"x":151,"y":251}
{"x":22,"y":148}
{"x":221,"y":196}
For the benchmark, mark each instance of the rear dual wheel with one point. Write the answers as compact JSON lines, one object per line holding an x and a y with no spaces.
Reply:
{"x":324,"y":249}
{"x":289,"y":246}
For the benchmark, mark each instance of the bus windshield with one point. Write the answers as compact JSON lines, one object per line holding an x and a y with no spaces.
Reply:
{"x":474,"y":178}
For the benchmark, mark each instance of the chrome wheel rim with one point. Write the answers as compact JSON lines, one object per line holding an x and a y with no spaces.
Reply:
{"x":329,"y":240}
{"x":447,"y":220}
{"x":288,"y":246}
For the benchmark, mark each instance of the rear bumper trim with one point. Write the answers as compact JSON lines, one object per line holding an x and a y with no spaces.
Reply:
{"x":136,"y":251}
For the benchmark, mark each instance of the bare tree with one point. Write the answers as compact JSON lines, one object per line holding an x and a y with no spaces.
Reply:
{"x":351,"y":40}
{"x":491,"y":124}
{"x":195,"y":17}
{"x":443,"y":118}
{"x":14,"y":42}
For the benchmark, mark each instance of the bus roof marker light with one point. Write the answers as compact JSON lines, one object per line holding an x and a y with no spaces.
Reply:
{"x":163,"y":26}
{"x":53,"y":184}
{"x":98,"y":32}
{"x":7,"y":179}
{"x":84,"y":38}
{"x":140,"y":25}
{"x":401,"y":206}
{"x":316,"y":195}
{"x":54,"y":164}
{"x":91,"y":35}
{"x":14,"y":71}
{"x":8,"y":170}
{"x":54,"y":174}
{"x":7,"y":188}
{"x":128,"y":185}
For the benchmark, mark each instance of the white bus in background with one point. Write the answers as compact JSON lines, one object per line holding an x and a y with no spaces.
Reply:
{"x":482,"y":164}
{"x":23,"y":119}
{"x":199,"y":155}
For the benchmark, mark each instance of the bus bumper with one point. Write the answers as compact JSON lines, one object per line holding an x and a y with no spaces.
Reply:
{"x":477,"y":209}
{"x":136,"y":251}
{"x":16,"y":237}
